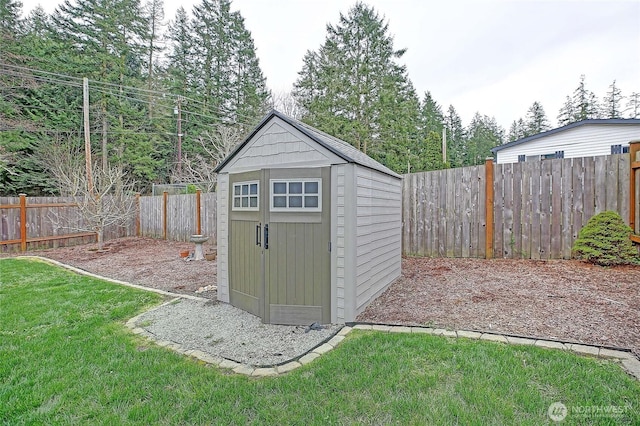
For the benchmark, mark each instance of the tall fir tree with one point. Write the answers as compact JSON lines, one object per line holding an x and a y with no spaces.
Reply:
{"x":431,"y":117}
{"x":585,"y":102}
{"x":517,"y":130}
{"x":567,"y":112}
{"x":353,"y":88}
{"x":11,"y":26}
{"x":633,"y":105}
{"x":612,"y":107}
{"x":536,"y":120}
{"x":456,"y":139}
{"x":227,"y":74}
{"x":483,"y":134}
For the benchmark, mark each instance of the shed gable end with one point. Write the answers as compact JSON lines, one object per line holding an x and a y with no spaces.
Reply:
{"x":280,"y":145}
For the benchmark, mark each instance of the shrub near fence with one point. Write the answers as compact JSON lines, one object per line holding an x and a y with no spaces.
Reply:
{"x":538,"y":207}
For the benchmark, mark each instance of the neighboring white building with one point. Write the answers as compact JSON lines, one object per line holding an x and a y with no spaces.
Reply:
{"x":585,"y":138}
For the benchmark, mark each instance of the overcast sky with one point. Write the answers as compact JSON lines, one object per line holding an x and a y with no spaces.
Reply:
{"x":496,"y":57}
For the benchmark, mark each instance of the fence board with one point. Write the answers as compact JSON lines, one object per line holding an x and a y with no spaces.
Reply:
{"x":545,"y":209}
{"x":578,"y":201}
{"x":539,"y":207}
{"x":465,"y":211}
{"x":556,"y":210}
{"x":589,"y":188}
{"x":600,"y":184}
{"x":624,"y":174}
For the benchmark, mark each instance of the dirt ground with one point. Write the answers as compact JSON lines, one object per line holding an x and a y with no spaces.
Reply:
{"x":144,"y":261}
{"x":564,"y":300}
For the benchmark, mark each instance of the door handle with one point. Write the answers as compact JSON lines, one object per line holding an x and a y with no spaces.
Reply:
{"x":266,"y":236}
{"x":258,"y":243}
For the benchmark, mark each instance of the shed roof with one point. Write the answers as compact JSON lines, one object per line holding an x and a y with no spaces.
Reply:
{"x":339,"y":147}
{"x":610,"y":121}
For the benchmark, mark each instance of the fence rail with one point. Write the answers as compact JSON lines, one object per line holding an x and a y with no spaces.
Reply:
{"x":31,"y":222}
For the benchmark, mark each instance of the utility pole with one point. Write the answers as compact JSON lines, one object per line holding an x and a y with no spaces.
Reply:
{"x":87,"y":134}
{"x":178,"y":111}
{"x":444,"y":144}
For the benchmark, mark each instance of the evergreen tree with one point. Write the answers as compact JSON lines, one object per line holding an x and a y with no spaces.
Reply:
{"x":585,"y":102}
{"x":456,"y":147}
{"x":432,"y":156}
{"x":483,"y":134}
{"x":180,"y":68}
{"x":431,"y":117}
{"x":536,"y":120}
{"x":633,"y":105}
{"x":154,"y":12}
{"x":612,"y":101}
{"x":353,"y":88}
{"x":10,"y":28}
{"x":517,"y":130}
{"x":567,"y":112}
{"x":227,"y":74}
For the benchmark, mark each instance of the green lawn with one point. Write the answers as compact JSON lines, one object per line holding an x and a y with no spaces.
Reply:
{"x":67,"y":358}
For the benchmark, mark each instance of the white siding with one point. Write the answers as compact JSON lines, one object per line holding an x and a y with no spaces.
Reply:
{"x":378,"y":234}
{"x":582,"y":141}
{"x":223,"y":237}
{"x":280,"y":145}
{"x":345,"y":243}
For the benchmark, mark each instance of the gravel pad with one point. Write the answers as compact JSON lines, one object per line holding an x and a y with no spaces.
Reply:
{"x":223,"y":330}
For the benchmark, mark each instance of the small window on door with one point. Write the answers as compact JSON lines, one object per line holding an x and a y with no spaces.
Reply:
{"x":245,"y":196}
{"x":296,"y":195}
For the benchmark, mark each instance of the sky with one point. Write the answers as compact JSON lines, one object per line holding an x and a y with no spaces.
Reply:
{"x":495,"y":57}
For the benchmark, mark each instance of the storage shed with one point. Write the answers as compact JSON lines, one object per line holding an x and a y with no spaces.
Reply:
{"x":308,"y":226}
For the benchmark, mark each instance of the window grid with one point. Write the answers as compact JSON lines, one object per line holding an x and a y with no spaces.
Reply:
{"x":296,"y":195}
{"x":246,"y":196}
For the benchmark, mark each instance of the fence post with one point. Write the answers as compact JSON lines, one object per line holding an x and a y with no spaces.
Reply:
{"x":634,"y":148}
{"x":488,"y":186}
{"x":137,"y":214}
{"x":165,"y":199}
{"x":23,"y":222}
{"x":198,"y":227}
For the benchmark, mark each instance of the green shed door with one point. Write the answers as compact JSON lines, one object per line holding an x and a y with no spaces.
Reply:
{"x":297,"y":258}
{"x":245,"y":250}
{"x":279,"y":244}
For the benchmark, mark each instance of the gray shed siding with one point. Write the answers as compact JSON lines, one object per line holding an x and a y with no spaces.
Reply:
{"x":584,"y":141}
{"x":223,"y":237}
{"x":378,"y":233}
{"x":279,"y":145}
{"x":368,"y":223}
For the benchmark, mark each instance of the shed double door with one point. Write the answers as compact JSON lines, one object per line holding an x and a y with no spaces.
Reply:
{"x":279,"y":244}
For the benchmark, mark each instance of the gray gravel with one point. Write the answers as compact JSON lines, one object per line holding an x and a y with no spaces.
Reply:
{"x":225,"y":331}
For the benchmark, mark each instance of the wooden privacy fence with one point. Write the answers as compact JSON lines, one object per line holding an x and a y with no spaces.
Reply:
{"x":530,"y":210}
{"x":30,"y":222}
{"x":177,"y":217}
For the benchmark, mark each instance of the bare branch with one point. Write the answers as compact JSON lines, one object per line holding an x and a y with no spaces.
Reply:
{"x":216,"y":145}
{"x":111,"y":203}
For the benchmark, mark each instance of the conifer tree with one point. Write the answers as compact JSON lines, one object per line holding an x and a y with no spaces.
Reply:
{"x":456,"y":146}
{"x":353,"y":87}
{"x":536,"y":120}
{"x":483,"y":134}
{"x":612,"y":102}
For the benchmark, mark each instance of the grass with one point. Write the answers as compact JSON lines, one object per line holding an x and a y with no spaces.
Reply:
{"x":67,"y":358}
